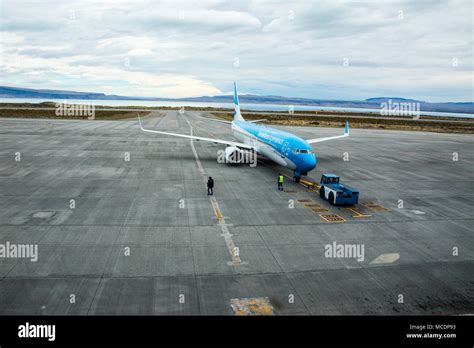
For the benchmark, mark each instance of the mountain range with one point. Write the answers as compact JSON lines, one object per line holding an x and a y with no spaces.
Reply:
{"x":371,"y":103}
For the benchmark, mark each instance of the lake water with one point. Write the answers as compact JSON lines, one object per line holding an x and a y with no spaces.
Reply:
{"x":244,"y":106}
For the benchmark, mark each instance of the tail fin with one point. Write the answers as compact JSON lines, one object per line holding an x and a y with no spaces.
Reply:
{"x":237,"y":114}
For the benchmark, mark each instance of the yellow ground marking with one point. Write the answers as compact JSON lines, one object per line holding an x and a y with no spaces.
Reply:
{"x":218,"y":214}
{"x":233,"y":250}
{"x":287,"y":176}
{"x":251,"y":306}
{"x":305,"y":183}
{"x":385,"y":258}
{"x":311,"y":205}
{"x":357,"y":213}
{"x":374,"y":206}
{"x":314,"y":207}
{"x":332,"y":217}
{"x":319,"y":209}
{"x":305,"y":200}
{"x":309,"y":184}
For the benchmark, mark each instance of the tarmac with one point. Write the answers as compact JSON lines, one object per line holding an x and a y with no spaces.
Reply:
{"x":124,"y":226}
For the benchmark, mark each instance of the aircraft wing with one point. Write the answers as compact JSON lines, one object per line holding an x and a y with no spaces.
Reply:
{"x":211,"y":140}
{"x":225,"y":121}
{"x":318,"y":140}
{"x":213,"y":119}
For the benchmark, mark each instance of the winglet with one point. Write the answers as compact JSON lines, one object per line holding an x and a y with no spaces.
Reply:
{"x":318,"y":140}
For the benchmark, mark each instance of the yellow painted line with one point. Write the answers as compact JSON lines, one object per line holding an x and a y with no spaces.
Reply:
{"x":314,"y":207}
{"x":309,"y":184}
{"x":357,"y":213}
{"x":287,"y":176}
{"x":319,"y":209}
{"x":374,"y":206}
{"x":251,"y":306}
{"x":233,"y":250}
{"x":379,"y":208}
{"x":305,"y":183}
{"x":332,"y":218}
{"x":218,"y":214}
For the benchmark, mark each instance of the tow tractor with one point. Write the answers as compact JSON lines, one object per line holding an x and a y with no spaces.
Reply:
{"x":335,"y":192}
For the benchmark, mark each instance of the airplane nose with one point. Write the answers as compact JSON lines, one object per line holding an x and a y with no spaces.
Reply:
{"x":309,"y":163}
{"x":312,"y":162}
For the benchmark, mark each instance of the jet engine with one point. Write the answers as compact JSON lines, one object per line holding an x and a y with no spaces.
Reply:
{"x":234,"y":155}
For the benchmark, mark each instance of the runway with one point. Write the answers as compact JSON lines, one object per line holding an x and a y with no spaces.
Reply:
{"x":141,"y":236}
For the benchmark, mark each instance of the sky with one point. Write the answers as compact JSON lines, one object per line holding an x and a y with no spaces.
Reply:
{"x":338,"y":49}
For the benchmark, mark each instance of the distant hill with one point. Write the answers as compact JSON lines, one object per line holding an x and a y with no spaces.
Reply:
{"x":371,"y":103}
{"x":14,"y":92}
{"x":394,"y":99}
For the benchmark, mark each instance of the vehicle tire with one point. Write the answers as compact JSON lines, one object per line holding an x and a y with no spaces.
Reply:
{"x":331,"y":198}
{"x":321,"y":192}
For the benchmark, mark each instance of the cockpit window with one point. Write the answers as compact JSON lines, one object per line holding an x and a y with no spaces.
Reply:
{"x":297,"y":151}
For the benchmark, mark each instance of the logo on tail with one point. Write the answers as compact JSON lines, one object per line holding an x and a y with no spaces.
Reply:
{"x":237,"y":114}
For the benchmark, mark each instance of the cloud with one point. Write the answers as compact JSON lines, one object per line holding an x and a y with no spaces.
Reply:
{"x":323,"y":49}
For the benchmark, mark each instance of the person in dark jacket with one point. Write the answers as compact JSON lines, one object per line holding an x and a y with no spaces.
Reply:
{"x":210,"y":186}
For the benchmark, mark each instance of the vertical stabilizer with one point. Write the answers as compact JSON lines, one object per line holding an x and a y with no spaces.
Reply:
{"x":237,"y":114}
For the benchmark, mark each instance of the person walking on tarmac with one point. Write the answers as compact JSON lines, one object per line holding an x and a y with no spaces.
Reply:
{"x":280,"y":182}
{"x":210,"y":186}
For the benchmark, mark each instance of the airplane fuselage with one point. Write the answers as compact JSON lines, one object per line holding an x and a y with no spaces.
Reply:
{"x":283,"y":148}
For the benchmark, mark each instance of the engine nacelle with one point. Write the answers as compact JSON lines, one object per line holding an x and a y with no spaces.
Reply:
{"x":234,"y":155}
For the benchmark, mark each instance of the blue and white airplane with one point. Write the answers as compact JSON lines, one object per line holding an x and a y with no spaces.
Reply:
{"x":283,"y":148}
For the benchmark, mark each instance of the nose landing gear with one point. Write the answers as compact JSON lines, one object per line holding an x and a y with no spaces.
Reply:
{"x":297,"y":176}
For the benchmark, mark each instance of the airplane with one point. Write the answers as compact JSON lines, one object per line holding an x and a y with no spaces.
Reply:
{"x":283,"y":148}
